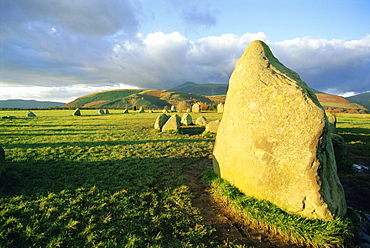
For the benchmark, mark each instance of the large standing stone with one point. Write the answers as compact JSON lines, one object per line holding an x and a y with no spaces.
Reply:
{"x":101,"y":112}
{"x":173,"y":108}
{"x":195,"y":108}
{"x":173,"y":124}
{"x":160,"y":121}
{"x":186,"y":119}
{"x":30,"y":114}
{"x":106,"y":111}
{"x":77,"y":112}
{"x":125,"y":111}
{"x":275,"y":145}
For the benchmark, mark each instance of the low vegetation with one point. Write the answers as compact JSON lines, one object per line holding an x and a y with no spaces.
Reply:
{"x":112,"y":181}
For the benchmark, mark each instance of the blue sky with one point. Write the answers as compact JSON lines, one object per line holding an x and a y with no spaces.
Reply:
{"x":60,"y":50}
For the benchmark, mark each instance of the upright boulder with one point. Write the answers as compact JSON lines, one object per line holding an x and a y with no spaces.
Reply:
{"x":186,"y":119}
{"x":160,"y":121}
{"x":173,"y":108}
{"x":212,"y":126}
{"x":201,"y":121}
{"x":196,"y":108}
{"x":30,"y":114}
{"x":101,"y":112}
{"x":76,"y":112}
{"x":125,"y":111}
{"x":106,"y":111}
{"x":220,"y":108}
{"x":141,"y":110}
{"x":173,"y":123}
{"x":276,"y":145}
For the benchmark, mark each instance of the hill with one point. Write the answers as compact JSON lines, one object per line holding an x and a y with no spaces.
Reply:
{"x":137,"y":97}
{"x":362,"y":99}
{"x":159,"y":99}
{"x":336,"y":104}
{"x":202,"y":89}
{"x":18,"y":103}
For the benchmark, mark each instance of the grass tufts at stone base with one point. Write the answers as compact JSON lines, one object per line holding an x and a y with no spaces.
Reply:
{"x":296,"y":229}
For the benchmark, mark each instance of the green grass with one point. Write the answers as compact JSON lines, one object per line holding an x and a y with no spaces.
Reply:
{"x":98,"y":181}
{"x":112,"y":181}
{"x":296,"y":229}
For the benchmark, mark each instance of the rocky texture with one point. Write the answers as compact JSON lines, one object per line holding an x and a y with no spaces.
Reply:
{"x":275,"y":145}
{"x":173,"y":123}
{"x":30,"y":114}
{"x":196,"y":108}
{"x":186,"y":119}
{"x":160,"y":121}
{"x":101,"y":112}
{"x":212,"y":126}
{"x":220,"y":108}
{"x":201,"y":121}
{"x":2,"y":160}
{"x":77,"y":112}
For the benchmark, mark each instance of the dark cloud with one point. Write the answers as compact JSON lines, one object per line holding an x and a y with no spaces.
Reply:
{"x":84,"y":17}
{"x":83,"y":46}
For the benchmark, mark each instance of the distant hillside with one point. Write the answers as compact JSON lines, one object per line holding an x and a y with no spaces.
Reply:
{"x":362,"y":99}
{"x":334,"y":104}
{"x":17,"y":103}
{"x":202,"y":89}
{"x":136,"y":97}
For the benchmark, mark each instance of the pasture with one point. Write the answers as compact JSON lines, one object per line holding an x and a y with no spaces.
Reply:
{"x":107,"y":180}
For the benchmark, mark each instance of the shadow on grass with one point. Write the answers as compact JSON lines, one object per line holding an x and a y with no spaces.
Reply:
{"x":132,"y":174}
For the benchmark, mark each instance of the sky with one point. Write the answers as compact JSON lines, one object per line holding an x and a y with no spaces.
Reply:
{"x":59,"y":50}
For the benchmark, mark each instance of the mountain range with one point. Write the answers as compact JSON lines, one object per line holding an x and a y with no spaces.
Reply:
{"x":19,"y":103}
{"x":184,"y":95}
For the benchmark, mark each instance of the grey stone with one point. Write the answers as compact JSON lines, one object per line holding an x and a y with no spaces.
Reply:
{"x":77,"y":112}
{"x":30,"y":114}
{"x":186,"y":119}
{"x":212,"y":126}
{"x":160,"y":121}
{"x":201,"y":121}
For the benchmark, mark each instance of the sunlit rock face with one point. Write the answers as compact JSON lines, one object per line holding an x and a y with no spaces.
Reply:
{"x":273,"y":141}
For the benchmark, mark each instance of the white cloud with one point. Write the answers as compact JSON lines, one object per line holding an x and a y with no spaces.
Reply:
{"x":60,"y":94}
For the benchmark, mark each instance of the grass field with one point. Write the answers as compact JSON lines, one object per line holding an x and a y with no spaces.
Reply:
{"x":102,"y":181}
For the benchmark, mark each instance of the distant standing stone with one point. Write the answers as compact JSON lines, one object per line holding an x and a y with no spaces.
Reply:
{"x":160,"y":121}
{"x":101,"y":112}
{"x":201,"y":121}
{"x":220,"y":108}
{"x":30,"y":114}
{"x":196,"y":108}
{"x":173,"y":108}
{"x":186,"y":119}
{"x":77,"y":112}
{"x":106,"y":111}
{"x":332,"y":122}
{"x":141,"y":110}
{"x":212,"y":126}
{"x":173,"y":124}
{"x":125,"y":111}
